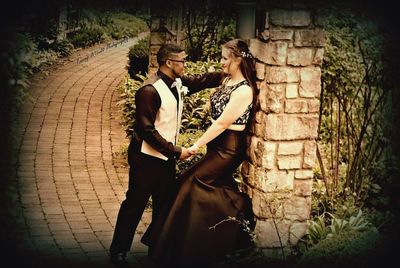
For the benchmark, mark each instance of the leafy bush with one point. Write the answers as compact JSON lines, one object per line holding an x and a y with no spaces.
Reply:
{"x":16,"y":60}
{"x":196,"y":110}
{"x":318,"y":230}
{"x":138,"y":57}
{"x":62,"y":47}
{"x":98,"y":26}
{"x":128,"y":89}
{"x":342,"y":206}
{"x":24,"y":54}
{"x":350,"y":248}
{"x":353,"y":136}
{"x":19,"y":59}
{"x":334,"y":242}
{"x":85,"y":36}
{"x":124,"y":25}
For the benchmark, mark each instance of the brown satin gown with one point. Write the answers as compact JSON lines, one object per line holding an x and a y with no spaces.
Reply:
{"x":206,"y":195}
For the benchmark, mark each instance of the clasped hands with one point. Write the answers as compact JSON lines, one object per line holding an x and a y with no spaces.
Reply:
{"x":188,"y":152}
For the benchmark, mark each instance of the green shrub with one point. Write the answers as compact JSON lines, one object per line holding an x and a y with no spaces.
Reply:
{"x":62,"y":47}
{"x":196,"y":113}
{"x":350,"y":248}
{"x":196,"y":110}
{"x":124,"y":25}
{"x":97,"y":26}
{"x":21,"y":58}
{"x":128,"y":89}
{"x":18,"y":61}
{"x":319,"y":228}
{"x":138,"y":58}
{"x":85,"y":37}
{"x":140,"y":49}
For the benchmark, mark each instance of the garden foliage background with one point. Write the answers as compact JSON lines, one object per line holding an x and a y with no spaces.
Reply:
{"x":356,"y":195}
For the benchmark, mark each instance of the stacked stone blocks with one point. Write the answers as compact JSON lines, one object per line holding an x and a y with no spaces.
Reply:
{"x":282,"y":146}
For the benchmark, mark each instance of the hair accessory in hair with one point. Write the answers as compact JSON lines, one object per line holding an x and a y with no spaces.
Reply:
{"x":246,"y":54}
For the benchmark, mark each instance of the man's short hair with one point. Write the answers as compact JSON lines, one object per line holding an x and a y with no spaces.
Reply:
{"x":165,"y":52}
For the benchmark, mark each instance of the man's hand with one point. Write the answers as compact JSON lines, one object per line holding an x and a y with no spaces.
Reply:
{"x":185,"y":154}
{"x":193,"y":149}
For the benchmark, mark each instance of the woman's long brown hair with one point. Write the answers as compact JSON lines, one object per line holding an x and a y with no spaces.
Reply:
{"x":247,"y":66}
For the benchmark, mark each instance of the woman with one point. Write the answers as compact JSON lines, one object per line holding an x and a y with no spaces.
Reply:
{"x":207,"y":213}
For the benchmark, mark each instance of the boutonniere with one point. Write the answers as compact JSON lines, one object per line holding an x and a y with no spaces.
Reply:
{"x":183,"y":90}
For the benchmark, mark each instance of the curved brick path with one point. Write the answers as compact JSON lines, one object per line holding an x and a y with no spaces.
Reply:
{"x":68,"y":184}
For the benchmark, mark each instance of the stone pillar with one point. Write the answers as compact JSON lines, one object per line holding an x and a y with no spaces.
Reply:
{"x":246,"y":16}
{"x":159,"y":33}
{"x":282,"y":146}
{"x":157,"y":38}
{"x":164,"y":28}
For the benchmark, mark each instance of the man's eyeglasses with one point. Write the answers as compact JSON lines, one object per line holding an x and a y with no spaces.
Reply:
{"x":183,"y":61}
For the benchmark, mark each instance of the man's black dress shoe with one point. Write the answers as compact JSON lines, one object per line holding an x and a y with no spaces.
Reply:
{"x":119,"y":259}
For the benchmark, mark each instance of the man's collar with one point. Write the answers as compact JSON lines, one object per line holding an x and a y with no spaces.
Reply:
{"x":167,"y":80}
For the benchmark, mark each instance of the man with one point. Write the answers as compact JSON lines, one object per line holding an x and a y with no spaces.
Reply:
{"x":152,"y":153}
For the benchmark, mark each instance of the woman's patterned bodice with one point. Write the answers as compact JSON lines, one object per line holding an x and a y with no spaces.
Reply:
{"x":220,"y":98}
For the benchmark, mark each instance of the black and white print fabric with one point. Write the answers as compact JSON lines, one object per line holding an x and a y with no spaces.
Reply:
{"x":220,"y":98}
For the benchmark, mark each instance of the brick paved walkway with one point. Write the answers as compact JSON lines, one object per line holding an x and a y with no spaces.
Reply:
{"x":68,"y":185}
